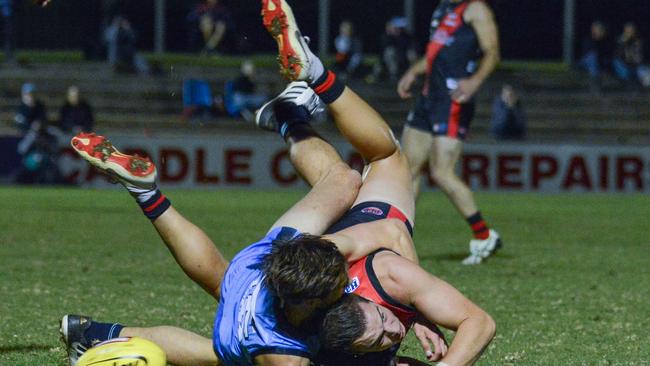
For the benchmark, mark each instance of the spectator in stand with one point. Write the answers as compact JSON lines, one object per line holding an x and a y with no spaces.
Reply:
{"x":38,"y":146}
{"x":212,"y":24}
{"x":241,"y":97}
{"x":628,"y":58}
{"x":397,"y":49}
{"x":121,"y":47}
{"x":595,"y":54}
{"x":508,"y":118}
{"x":349,"y":51}
{"x":6,"y":10}
{"x":31,"y":114}
{"x":75,"y":114}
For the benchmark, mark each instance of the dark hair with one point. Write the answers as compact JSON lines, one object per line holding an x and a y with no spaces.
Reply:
{"x":303,"y":268}
{"x":343,"y":324}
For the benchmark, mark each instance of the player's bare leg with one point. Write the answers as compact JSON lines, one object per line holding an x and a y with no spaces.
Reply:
{"x":445,"y":154}
{"x":192,"y":248}
{"x":361,"y":125}
{"x":183,"y":348}
{"x":334,"y":184}
{"x":416,"y":145}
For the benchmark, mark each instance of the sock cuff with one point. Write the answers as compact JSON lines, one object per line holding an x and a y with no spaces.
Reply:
{"x":328,"y":87}
{"x":475,"y":218}
{"x":155,"y":206}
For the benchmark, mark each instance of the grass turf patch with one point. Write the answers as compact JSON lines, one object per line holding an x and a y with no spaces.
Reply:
{"x":571,"y":286}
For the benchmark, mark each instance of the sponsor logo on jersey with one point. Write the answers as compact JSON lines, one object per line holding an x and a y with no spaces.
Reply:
{"x":353,"y":285}
{"x":451,"y":20}
{"x":373,"y":211}
{"x":441,"y":36}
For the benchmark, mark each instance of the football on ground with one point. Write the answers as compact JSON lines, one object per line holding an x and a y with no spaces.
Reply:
{"x":127,"y":351}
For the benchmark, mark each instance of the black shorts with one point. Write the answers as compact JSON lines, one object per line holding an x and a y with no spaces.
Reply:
{"x":441,"y":116}
{"x":331,"y":358}
{"x":368,"y":212}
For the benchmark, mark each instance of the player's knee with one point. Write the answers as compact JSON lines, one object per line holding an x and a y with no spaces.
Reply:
{"x":344,"y":176}
{"x":443,"y":177}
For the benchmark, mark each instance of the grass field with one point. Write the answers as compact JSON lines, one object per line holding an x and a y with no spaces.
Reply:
{"x":571,"y":287}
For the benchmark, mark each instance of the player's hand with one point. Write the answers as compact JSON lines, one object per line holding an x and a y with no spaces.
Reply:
{"x":465,"y":90}
{"x":404,"y":85}
{"x":431,"y":339}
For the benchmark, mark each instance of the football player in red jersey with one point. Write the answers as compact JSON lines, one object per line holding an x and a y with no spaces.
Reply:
{"x":462,"y":52}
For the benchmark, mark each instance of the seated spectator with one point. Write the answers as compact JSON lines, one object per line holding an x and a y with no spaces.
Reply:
{"x":595,"y":54}
{"x":38,"y":146}
{"x":197,"y":98}
{"x":349,"y":51}
{"x":628,"y":58}
{"x":397,"y":49}
{"x":508,"y":118}
{"x":241,"y":97}
{"x":121,"y":47}
{"x":75,"y":115}
{"x":211,"y":25}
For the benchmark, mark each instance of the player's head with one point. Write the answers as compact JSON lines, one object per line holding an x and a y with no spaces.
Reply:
{"x":356,"y":325}
{"x":306,"y":271}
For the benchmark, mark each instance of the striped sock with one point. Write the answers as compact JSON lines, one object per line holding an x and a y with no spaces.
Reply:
{"x":478,"y":225}
{"x":152,"y":202}
{"x":328,"y":87}
{"x":99,"y":332}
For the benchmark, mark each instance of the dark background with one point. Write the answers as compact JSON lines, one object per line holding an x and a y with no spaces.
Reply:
{"x":529,"y":29}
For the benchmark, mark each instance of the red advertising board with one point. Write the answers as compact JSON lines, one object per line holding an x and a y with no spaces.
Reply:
{"x":262,"y":162}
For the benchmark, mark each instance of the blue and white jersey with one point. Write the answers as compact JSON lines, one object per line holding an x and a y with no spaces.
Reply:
{"x":247,"y":323}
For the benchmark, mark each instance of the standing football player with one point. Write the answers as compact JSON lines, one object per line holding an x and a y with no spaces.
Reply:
{"x":463,"y":51}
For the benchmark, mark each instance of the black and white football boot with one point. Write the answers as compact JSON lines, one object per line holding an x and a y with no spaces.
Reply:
{"x":72,"y":332}
{"x":297,"y":102}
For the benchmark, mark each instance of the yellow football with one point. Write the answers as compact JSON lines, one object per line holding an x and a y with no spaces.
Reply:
{"x":128,"y":351}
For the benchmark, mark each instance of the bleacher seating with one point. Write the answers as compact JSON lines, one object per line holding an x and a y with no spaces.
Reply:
{"x":558,"y":104}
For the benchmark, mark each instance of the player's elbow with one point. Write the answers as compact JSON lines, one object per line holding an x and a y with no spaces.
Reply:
{"x":488,"y":326}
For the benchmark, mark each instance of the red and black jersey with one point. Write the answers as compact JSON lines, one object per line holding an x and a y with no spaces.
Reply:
{"x":453,"y":50}
{"x":364,"y":283}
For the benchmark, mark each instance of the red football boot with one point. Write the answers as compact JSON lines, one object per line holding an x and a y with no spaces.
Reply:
{"x":296,"y":60}
{"x":101,"y":153}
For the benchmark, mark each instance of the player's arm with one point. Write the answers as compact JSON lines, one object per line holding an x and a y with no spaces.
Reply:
{"x":360,"y":240}
{"x":479,"y":16}
{"x":406,"y":81}
{"x":280,"y":360}
{"x":440,"y":303}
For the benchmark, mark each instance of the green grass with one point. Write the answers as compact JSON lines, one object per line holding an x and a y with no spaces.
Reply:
{"x":571,"y":287}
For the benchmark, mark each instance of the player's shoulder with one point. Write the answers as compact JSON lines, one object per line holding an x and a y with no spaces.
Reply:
{"x":477,"y":9}
{"x":387,"y":262}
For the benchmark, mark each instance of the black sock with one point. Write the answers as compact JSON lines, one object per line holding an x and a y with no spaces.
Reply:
{"x":479,"y":227}
{"x":99,"y":332}
{"x":297,"y":131}
{"x":328,"y":87}
{"x":152,"y":202}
